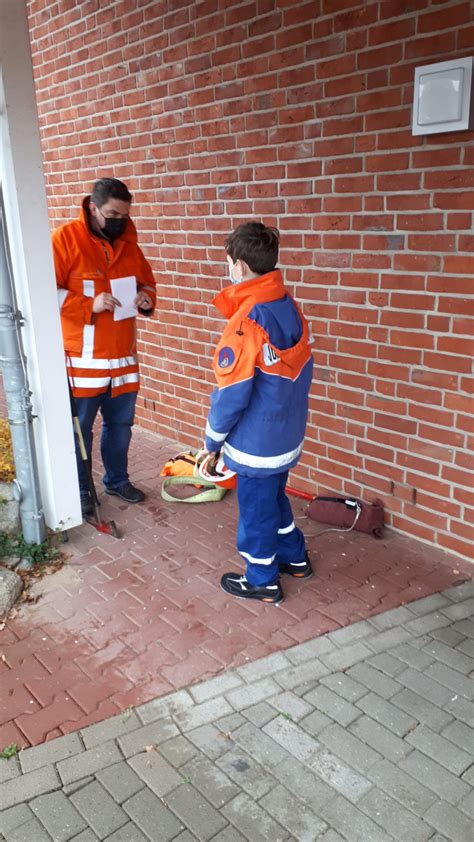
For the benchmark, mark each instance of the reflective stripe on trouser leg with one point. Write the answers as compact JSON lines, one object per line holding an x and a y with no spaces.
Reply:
{"x":259,"y":522}
{"x":291,"y":543}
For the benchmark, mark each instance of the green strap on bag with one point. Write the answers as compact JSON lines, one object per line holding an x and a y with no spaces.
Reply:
{"x":211,"y":494}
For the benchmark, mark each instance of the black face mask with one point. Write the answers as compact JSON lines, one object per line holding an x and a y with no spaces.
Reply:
{"x":114,"y":228}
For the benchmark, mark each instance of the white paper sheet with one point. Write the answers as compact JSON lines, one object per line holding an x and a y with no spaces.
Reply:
{"x":125,"y":290}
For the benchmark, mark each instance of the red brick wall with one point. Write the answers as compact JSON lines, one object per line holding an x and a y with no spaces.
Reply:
{"x":298,"y":114}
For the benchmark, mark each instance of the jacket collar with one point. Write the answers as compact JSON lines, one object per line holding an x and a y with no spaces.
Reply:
{"x":259,"y":290}
{"x":130,"y":233}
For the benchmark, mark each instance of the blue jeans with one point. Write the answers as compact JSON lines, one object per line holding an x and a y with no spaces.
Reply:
{"x":266,"y":534}
{"x":117,"y":420}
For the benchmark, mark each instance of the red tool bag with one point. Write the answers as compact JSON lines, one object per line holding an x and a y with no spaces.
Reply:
{"x":348,"y":513}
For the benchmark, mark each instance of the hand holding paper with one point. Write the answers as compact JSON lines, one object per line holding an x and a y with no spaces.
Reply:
{"x":125,"y":289}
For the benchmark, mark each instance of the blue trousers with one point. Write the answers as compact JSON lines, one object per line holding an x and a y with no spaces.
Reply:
{"x":117,"y":420}
{"x":266,"y":534}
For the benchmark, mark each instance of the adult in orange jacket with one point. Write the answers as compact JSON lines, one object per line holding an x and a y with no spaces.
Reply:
{"x":94,"y":256}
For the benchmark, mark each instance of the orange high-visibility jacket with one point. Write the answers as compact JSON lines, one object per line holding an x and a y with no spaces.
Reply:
{"x":100,"y":351}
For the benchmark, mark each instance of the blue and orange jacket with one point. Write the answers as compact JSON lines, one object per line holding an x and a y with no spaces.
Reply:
{"x":263,"y":366}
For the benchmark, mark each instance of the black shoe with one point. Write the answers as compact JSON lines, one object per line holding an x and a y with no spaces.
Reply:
{"x":127,"y":492}
{"x":237,"y":585}
{"x":87,"y":508}
{"x":298,"y":569}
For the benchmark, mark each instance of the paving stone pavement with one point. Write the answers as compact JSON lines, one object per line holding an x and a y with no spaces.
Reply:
{"x":126,"y":621}
{"x":363,"y":734}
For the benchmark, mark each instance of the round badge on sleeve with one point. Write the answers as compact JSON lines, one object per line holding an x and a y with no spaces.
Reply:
{"x":226,"y":357}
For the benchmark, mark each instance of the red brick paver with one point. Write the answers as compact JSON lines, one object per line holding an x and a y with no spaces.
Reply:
{"x":125,"y":621}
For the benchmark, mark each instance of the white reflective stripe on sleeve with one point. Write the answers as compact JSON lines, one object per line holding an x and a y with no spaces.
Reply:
{"x":123,"y":379}
{"x":62,"y":295}
{"x":89,"y":382}
{"x":89,"y":330}
{"x":287,"y":529}
{"x":119,"y":362}
{"x":253,"y":560}
{"x":213,"y":435}
{"x":262,"y":461}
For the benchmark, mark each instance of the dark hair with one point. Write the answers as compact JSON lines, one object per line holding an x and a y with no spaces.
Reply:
{"x":109,"y":188}
{"x":256,"y":244}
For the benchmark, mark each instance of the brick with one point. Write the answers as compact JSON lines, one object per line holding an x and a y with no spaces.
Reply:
{"x":426,"y":624}
{"x":128,"y":833}
{"x":352,"y":824}
{"x":156,"y":772}
{"x":204,"y":713}
{"x":253,"y":693}
{"x":29,"y":831}
{"x":460,"y":709}
{"x":392,"y":618}
{"x":290,"y":705}
{"x":153,"y":734}
{"x":120,"y":781}
{"x":150,"y":813}
{"x":302,"y":674}
{"x":229,"y":834}
{"x":424,"y":686}
{"x":343,"y":685}
{"x":79,"y":766}
{"x":459,"y":734}
{"x":439,"y":749}
{"x":396,"y":820}
{"x":386,"y":714}
{"x":178,"y":751}
{"x":262,"y":747}
{"x":100,"y":811}
{"x":315,"y":723}
{"x":292,"y":738}
{"x":332,"y":705}
{"x":421,"y":709}
{"x":58,"y":815}
{"x":346,"y":656}
{"x":447,"y":819}
{"x":102,"y":732}
{"x":210,"y":781}
{"x":286,"y":809}
{"x":374,"y":680}
{"x":14,"y":817}
{"x":429,"y":604}
{"x":442,"y":782}
{"x":264,"y":667}
{"x":411,"y":656}
{"x":450,"y":656}
{"x":379,"y":738}
{"x":310,"y":650}
{"x":171,"y":705}
{"x":349,"y":748}
{"x":28,"y":786}
{"x":245,"y":772}
{"x":259,"y":714}
{"x":10,"y":769}
{"x":215,"y":687}
{"x":388,"y":639}
{"x":50,"y":752}
{"x":196,"y":813}
{"x":387,"y":664}
{"x":399,"y":785}
{"x":451,"y":679}
{"x":209,"y":739}
{"x":349,"y":634}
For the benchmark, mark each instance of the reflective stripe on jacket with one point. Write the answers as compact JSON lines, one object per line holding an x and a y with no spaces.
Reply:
{"x":263,"y":366}
{"x":100,"y":352}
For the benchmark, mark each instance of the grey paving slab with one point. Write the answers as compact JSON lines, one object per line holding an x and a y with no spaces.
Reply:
{"x":128,"y":833}
{"x":297,"y":818}
{"x":246,"y":773}
{"x":13,"y":817}
{"x":442,"y":751}
{"x":310,"y":650}
{"x":374,"y":680}
{"x":9,"y":768}
{"x":32,"y":831}
{"x":155,"y":771}
{"x":50,"y":752}
{"x":454,"y":658}
{"x":148,"y":812}
{"x":100,"y":811}
{"x":380,"y":738}
{"x":253,"y":821}
{"x":291,"y":705}
{"x":211,"y":781}
{"x":395,"y":819}
{"x":343,"y":685}
{"x":80,"y":765}
{"x":352,"y":823}
{"x":171,"y":705}
{"x":386,"y":714}
{"x":253,"y":693}
{"x":421,"y":709}
{"x":86,"y":836}
{"x":211,"y":740}
{"x":195,"y":812}
{"x":215,"y":686}
{"x":450,"y":821}
{"x":260,"y":713}
{"x":120,"y":781}
{"x":459,"y":734}
{"x":461,"y":610}
{"x":104,"y":731}
{"x":349,"y":748}
{"x":451,"y":679}
{"x":28,"y":786}
{"x":401,"y":786}
{"x":427,"y":771}
{"x":153,"y":734}
{"x":387,"y":664}
{"x":329,"y":703}
{"x":271,"y":664}
{"x":178,"y":750}
{"x":58,"y":815}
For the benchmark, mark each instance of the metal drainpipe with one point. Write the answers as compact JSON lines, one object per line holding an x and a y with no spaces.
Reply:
{"x":17,"y":393}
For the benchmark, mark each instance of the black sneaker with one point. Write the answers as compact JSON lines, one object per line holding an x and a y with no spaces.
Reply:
{"x":87,"y":508}
{"x":127,"y":492}
{"x":298,"y":569}
{"x":237,"y":585}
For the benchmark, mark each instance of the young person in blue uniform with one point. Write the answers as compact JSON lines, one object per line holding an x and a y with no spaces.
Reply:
{"x":263,"y":367}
